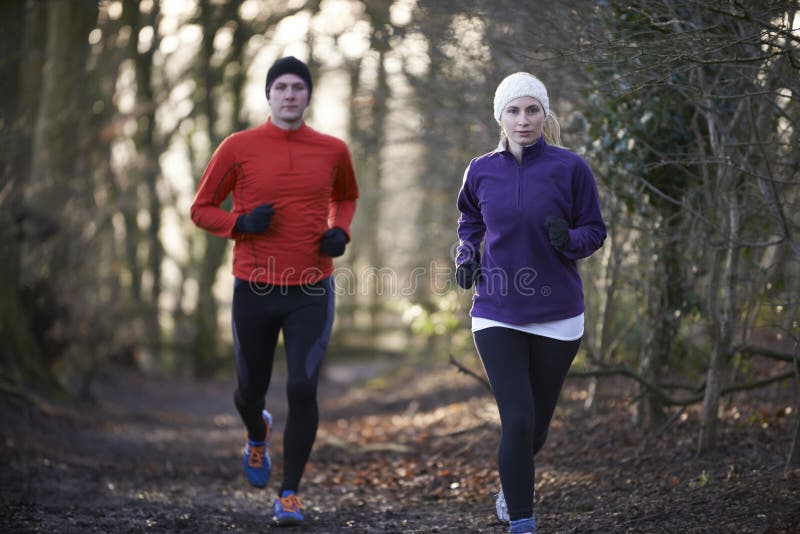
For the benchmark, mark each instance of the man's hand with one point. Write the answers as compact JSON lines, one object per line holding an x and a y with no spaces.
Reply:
{"x":255,"y":222}
{"x":333,"y":242}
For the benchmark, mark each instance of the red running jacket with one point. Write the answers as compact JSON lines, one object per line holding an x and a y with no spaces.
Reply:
{"x":309,"y":178}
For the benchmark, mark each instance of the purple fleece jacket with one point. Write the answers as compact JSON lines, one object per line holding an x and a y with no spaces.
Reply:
{"x":523,"y":278}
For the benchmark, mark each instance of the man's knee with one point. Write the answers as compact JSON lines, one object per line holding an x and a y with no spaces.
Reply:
{"x":301,"y":392}
{"x":244,"y":397}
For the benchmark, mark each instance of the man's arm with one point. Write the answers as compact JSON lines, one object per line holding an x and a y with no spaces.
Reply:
{"x":215,"y":185}
{"x":342,"y":206}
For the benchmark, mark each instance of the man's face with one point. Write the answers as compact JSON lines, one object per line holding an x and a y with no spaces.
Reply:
{"x":288,"y":99}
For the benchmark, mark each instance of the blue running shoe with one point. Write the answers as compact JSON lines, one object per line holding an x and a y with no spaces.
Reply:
{"x":287,"y":508}
{"x":257,"y":465}
{"x":523,"y":526}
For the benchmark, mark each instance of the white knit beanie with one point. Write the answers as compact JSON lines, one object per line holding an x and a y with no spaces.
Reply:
{"x":517,"y":85}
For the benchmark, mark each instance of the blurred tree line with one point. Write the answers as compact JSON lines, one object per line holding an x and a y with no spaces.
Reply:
{"x":687,"y":111}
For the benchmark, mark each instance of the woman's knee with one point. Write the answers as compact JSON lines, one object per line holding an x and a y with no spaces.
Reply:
{"x":518,"y":427}
{"x":538,"y":440}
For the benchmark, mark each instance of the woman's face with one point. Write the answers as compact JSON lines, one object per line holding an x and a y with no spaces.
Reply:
{"x":522,"y":120}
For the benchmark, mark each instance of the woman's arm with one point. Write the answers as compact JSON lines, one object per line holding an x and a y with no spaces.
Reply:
{"x":587,"y":230}
{"x":471,"y":227}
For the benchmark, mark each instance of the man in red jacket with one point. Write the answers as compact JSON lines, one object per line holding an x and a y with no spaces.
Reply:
{"x":294,"y":196}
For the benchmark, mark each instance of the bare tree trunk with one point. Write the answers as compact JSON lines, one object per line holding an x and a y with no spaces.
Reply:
{"x":206,"y":344}
{"x":55,"y":142}
{"x":648,"y":411}
{"x":794,"y":453}
{"x":57,"y":190}
{"x":21,"y":360}
{"x":724,"y":319}
{"x":150,"y":169}
{"x":368,"y":139}
{"x":793,"y":460}
{"x":374,"y":146}
{"x":664,"y":295}
{"x":612,"y":256}
{"x":348,"y":301}
{"x":145,"y":170}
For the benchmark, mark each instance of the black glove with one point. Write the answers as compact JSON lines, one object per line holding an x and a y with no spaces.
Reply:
{"x":333,"y":242}
{"x":558,"y":230}
{"x":467,"y":273}
{"x":255,"y":222}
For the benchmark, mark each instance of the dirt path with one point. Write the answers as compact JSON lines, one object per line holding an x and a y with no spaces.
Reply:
{"x":412,"y":454}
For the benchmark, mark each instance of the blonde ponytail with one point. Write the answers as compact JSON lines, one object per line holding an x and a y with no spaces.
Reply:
{"x":552,"y":130}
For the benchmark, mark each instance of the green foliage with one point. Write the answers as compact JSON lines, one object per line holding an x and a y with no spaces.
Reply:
{"x":440,"y":321}
{"x":701,"y":481}
{"x":687,"y":121}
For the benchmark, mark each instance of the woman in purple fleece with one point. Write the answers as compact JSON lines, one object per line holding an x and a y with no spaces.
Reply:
{"x":535,"y":207}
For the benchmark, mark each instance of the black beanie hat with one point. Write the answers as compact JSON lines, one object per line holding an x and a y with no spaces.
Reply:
{"x":289,"y":65}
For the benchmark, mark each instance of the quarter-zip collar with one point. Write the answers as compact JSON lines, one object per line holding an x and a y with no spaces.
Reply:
{"x":274,"y":131}
{"x":527,"y":151}
{"x":287,"y":136}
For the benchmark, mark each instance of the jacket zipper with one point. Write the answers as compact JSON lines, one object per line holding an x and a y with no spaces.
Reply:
{"x":519,"y":183}
{"x":289,"y":152}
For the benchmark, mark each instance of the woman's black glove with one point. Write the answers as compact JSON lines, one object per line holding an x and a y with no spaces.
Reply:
{"x":467,"y":273}
{"x":255,"y":222}
{"x":333,"y":242}
{"x":558,"y":231}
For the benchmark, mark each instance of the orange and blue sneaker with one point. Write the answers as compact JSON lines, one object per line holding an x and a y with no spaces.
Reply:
{"x":287,"y":508}
{"x":257,"y":465}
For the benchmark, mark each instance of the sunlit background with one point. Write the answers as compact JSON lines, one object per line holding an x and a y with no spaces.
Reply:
{"x":688,"y":116}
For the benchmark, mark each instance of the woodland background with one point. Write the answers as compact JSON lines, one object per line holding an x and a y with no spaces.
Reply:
{"x":688,"y":111}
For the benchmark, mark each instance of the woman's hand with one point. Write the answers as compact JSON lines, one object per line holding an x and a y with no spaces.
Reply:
{"x":467,"y":273}
{"x":558,"y":231}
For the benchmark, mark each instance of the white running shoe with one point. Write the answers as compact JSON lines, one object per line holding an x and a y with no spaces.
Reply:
{"x":501,"y":508}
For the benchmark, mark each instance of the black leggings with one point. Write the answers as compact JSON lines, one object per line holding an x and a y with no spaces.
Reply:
{"x":526,"y":372}
{"x":305,"y":314}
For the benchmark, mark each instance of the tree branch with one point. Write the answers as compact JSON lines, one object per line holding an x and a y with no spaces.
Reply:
{"x":470,"y":372}
{"x":754,"y":350}
{"x":668,"y":400}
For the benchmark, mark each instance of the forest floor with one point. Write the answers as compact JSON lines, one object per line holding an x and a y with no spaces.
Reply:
{"x":401,"y":452}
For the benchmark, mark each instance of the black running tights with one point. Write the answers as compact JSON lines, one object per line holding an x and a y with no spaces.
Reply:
{"x":526,"y":372}
{"x":305,"y":315}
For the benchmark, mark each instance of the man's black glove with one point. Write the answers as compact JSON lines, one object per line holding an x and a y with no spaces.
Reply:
{"x":467,"y":273}
{"x":255,"y":222}
{"x":333,"y":242}
{"x":558,"y":231}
